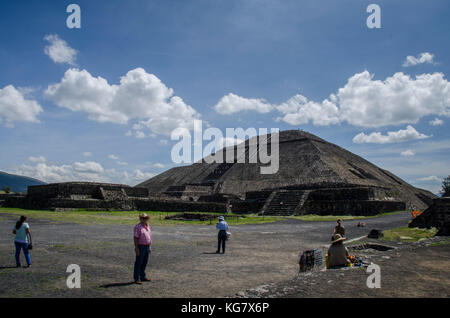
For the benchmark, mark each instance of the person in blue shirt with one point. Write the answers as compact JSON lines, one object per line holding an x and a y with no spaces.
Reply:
{"x":222,"y":226}
{"x":22,"y":240}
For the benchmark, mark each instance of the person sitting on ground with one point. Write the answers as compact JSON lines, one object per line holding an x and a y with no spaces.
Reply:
{"x":339,"y":229}
{"x":337,"y":253}
{"x":22,"y":240}
{"x":222,"y":226}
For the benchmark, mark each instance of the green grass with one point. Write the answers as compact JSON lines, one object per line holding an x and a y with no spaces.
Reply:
{"x":407,"y":234}
{"x":318,"y":218}
{"x":441,"y":243}
{"x":127,"y":217}
{"x":158,"y":218}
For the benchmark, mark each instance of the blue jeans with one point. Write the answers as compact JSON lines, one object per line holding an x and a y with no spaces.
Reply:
{"x":141,"y":262}
{"x":24,"y":247}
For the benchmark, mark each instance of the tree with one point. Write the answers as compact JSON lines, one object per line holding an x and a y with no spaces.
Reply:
{"x":7,"y":189}
{"x":446,"y":187}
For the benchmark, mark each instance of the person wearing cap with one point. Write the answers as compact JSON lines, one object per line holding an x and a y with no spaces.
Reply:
{"x":337,"y":253}
{"x":143,"y":248}
{"x":222,"y":226}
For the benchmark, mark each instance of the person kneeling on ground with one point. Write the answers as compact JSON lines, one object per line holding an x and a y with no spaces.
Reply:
{"x":337,"y":253}
{"x":222,"y":226}
{"x":143,"y":248}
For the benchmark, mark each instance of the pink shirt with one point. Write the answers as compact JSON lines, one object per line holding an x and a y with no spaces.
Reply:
{"x":143,"y":233}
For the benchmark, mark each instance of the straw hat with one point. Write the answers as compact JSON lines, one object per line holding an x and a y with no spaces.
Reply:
{"x":337,"y":238}
{"x":143,"y":216}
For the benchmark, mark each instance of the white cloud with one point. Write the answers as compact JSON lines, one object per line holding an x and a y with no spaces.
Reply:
{"x":81,"y":171}
{"x":431,"y":178}
{"x":139,"y":96}
{"x":407,"y":153}
{"x":14,"y":107}
{"x":436,"y":122}
{"x":410,"y":133}
{"x":59,"y":51}
{"x":365,"y":102}
{"x":88,"y":167}
{"x":37,"y":159}
{"x":122,"y":163}
{"x":228,"y":141}
{"x":397,"y":100}
{"x":232,"y":103}
{"x":420,"y":59}
{"x":113,"y":157}
{"x":299,"y":110}
{"x":87,"y":154}
{"x":159,"y":165}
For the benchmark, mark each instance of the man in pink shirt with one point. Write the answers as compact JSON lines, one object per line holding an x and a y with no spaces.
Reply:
{"x":143,"y":247}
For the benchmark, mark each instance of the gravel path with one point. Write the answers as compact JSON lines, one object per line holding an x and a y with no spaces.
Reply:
{"x":183,"y":263}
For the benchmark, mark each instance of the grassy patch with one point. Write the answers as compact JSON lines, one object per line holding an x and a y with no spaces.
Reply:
{"x":127,"y":217}
{"x":441,"y":243}
{"x":158,"y":218}
{"x":407,"y":234}
{"x":318,"y":218}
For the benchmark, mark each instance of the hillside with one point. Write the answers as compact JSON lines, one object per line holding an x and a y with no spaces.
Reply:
{"x":17,"y":183}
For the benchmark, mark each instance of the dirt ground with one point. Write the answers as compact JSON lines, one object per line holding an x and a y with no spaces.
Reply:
{"x":411,"y":270}
{"x":183,"y":262}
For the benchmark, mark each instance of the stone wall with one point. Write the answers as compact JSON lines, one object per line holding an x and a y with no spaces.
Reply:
{"x":353,"y":207}
{"x":437,"y":215}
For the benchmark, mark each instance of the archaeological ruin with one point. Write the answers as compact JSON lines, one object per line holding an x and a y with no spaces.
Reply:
{"x":314,"y":177}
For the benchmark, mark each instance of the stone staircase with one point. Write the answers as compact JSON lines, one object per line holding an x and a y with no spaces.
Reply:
{"x":285,"y":202}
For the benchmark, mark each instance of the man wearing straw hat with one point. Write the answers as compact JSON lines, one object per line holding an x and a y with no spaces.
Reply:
{"x":337,"y":253}
{"x":143,"y":248}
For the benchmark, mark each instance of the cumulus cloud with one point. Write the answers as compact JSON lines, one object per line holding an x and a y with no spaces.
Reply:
{"x":410,"y":133}
{"x":37,"y":159}
{"x":407,"y":153}
{"x":59,"y":51}
{"x":139,"y":96}
{"x":158,"y":165}
{"x":420,"y":59}
{"x":436,"y":122}
{"x":87,"y":154}
{"x":231,"y":103}
{"x":431,"y":178}
{"x":113,"y":157}
{"x":365,"y":102}
{"x":15,"y":107}
{"x":299,"y":110}
{"x":399,"y":99}
{"x":89,"y":171}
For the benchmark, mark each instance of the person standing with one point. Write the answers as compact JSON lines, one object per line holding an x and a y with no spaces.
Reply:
{"x":143,"y":248}
{"x":22,"y":240}
{"x":339,"y":229}
{"x":222,"y":226}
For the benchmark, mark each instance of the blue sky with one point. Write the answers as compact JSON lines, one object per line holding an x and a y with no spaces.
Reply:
{"x":181,"y":60}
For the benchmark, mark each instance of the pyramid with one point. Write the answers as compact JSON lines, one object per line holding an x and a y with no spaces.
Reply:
{"x":312,"y":174}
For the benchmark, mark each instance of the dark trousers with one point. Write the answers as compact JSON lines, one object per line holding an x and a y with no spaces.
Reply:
{"x":24,"y":247}
{"x":141,"y":262}
{"x":222,"y":238}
